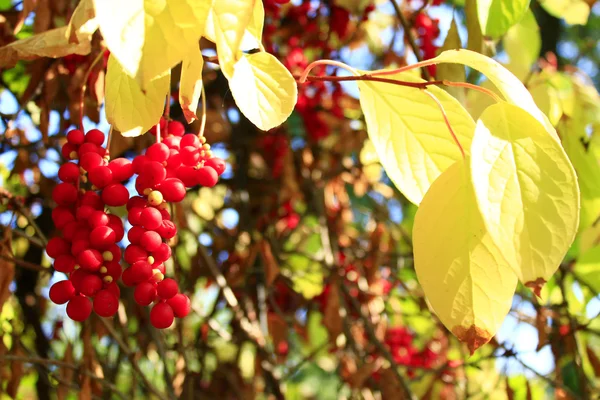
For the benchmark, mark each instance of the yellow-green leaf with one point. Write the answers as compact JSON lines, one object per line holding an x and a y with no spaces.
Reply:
{"x":83,"y":22}
{"x":527,"y":191}
{"x":409,"y":132}
{"x":574,"y":12}
{"x":263,"y":89}
{"x":149,"y":37}
{"x":190,"y":84}
{"x":523,"y":53}
{"x":453,"y":72}
{"x":464,"y":275}
{"x":253,"y":33}
{"x":128,"y":109}
{"x":509,"y":85}
{"x":497,"y":16}
{"x":474,"y":34}
{"x":229,"y":20}
{"x":52,"y":43}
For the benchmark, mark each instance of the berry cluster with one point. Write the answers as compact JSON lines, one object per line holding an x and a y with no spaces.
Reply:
{"x":164,"y":172}
{"x":87,"y":249}
{"x":400,"y":342}
{"x":427,"y":30}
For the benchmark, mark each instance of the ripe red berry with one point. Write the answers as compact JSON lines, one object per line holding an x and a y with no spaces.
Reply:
{"x":94,"y":136}
{"x":79,"y":308}
{"x":90,"y":160}
{"x":145,"y":293}
{"x":190,"y":140}
{"x":162,"y":316}
{"x":172,"y":189}
{"x":68,"y":172}
{"x":134,"y":216}
{"x":180,"y":304}
{"x":167,"y":288}
{"x":102,"y":237}
{"x":76,"y":277}
{"x":190,"y":155}
{"x":167,"y":229}
{"x":115,"y":195}
{"x":90,"y":259}
{"x":64,"y":194}
{"x":217,"y":164}
{"x":93,"y":200}
{"x":176,"y":128}
{"x":57,"y":247}
{"x":174,"y":161}
{"x":75,"y":137}
{"x":90,"y":285}
{"x":187,"y":175}
{"x":116,"y":224}
{"x":151,"y":218}
{"x":134,"y":234}
{"x":113,"y":253}
{"x":207,"y":176}
{"x":139,"y":163}
{"x":65,"y":263}
{"x":114,"y":289}
{"x":69,"y":151}
{"x":112,"y":269}
{"x":61,"y":292}
{"x":121,"y":168}
{"x":134,"y":253}
{"x":79,"y":245}
{"x":162,"y":254}
{"x":153,"y":174}
{"x":158,"y":152}
{"x":173,"y":142}
{"x":163,"y":126}
{"x":84,"y":212}
{"x":61,"y":216}
{"x":141,"y":271}
{"x":98,"y":218}
{"x":136,"y":201}
{"x":106,"y":303}
{"x":128,"y":278}
{"x":150,"y":241}
{"x":100,"y":176}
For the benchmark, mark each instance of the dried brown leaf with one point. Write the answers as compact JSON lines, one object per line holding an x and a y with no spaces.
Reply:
{"x":7,"y":268}
{"x":52,"y":43}
{"x":83,"y":23}
{"x":357,"y":379}
{"x":390,"y":387}
{"x":332,"y":319}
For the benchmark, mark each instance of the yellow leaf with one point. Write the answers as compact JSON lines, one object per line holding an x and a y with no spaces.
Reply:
{"x":83,"y":22}
{"x":477,"y":101}
{"x":464,"y":275}
{"x":409,"y":132}
{"x":190,"y":85}
{"x":509,"y":85}
{"x":253,"y":33}
{"x":52,"y":43}
{"x":263,"y":89}
{"x":453,"y":72}
{"x":523,"y":53}
{"x":574,"y":12}
{"x":228,"y":23}
{"x":356,"y":7}
{"x":149,"y":37}
{"x":527,"y":191}
{"x":128,"y":109}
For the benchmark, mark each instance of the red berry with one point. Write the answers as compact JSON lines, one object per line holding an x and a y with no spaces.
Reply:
{"x":135,"y":216}
{"x":114,"y":289}
{"x":176,"y":128}
{"x":61,"y":216}
{"x":57,"y":247}
{"x":94,"y":136}
{"x":76,"y":277}
{"x":115,"y":252}
{"x":90,"y":285}
{"x":134,"y":234}
{"x":64,"y":194}
{"x":217,"y":164}
{"x":68,"y":172}
{"x":162,"y":316}
{"x":174,"y":161}
{"x":98,"y":218}
{"x":121,"y":168}
{"x":116,"y":224}
{"x":65,"y":263}
{"x":61,"y":292}
{"x":90,"y":160}
{"x":90,"y":259}
{"x":150,"y":241}
{"x":190,"y":155}
{"x":136,"y":201}
{"x":151,"y":218}
{"x":70,"y":228}
{"x":167,"y":288}
{"x":207,"y":176}
{"x":75,"y":137}
{"x":78,"y":246}
{"x":128,"y":277}
{"x":106,"y":303}
{"x":158,"y":152}
{"x":145,"y":293}
{"x":141,"y":271}
{"x":180,"y":304}
{"x":115,"y":195}
{"x":167,"y":229}
{"x":84,"y":212}
{"x":113,"y":269}
{"x":135,"y":253}
{"x":102,"y":237}
{"x":190,"y":140}
{"x":93,"y":200}
{"x":173,"y":142}
{"x":187,"y":175}
{"x":172,"y":189}
{"x":162,"y":254}
{"x":139,"y":163}
{"x":153,"y":173}
{"x":100,"y":176}
{"x":79,"y":308}
{"x":69,"y":151}
{"x":163,"y":125}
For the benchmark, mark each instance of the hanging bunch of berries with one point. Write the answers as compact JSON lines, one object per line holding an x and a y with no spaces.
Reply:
{"x":87,"y":249}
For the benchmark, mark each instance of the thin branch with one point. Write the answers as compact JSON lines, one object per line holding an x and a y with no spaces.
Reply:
{"x":441,"y":107}
{"x":84,"y":85}
{"x":26,"y":264}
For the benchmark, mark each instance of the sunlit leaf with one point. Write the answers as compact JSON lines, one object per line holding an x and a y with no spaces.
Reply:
{"x":574,"y":12}
{"x":497,"y":16}
{"x":83,"y":22}
{"x":523,"y":53}
{"x":452,"y":72}
{"x":190,"y":85}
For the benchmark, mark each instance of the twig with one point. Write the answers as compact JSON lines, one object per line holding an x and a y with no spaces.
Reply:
{"x":26,"y":264}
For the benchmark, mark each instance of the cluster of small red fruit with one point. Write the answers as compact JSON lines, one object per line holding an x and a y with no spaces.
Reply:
{"x":87,"y":250}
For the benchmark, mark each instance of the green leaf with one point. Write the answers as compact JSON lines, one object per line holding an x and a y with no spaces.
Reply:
{"x":464,"y":275}
{"x":149,"y":37}
{"x":523,"y":53}
{"x":587,"y":268}
{"x":574,"y":12}
{"x":128,"y":109}
{"x":410,"y":134}
{"x":263,"y":89}
{"x":475,"y":36}
{"x":527,"y":191}
{"x":497,"y":16}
